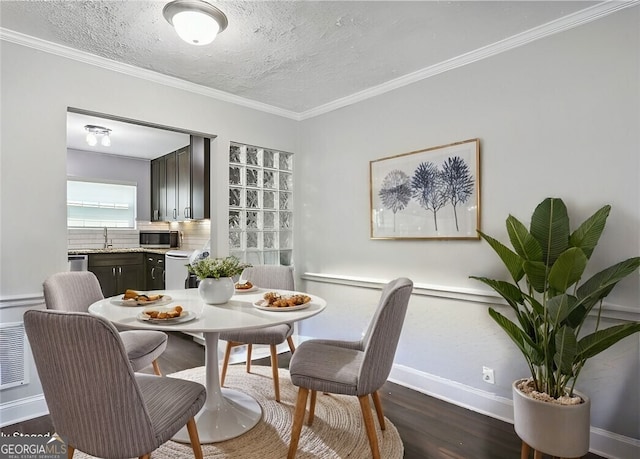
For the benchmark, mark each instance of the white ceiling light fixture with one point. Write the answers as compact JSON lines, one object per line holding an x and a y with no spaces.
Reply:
{"x":94,"y":131}
{"x":196,"y":21}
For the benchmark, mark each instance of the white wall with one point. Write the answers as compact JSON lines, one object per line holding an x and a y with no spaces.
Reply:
{"x":558,"y":117}
{"x":92,"y":165}
{"x":37,"y":88}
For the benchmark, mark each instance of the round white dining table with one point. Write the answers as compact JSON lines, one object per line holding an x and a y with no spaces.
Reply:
{"x":227,"y":413}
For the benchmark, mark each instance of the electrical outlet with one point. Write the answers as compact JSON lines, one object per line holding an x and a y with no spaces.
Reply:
{"x":488,"y":376}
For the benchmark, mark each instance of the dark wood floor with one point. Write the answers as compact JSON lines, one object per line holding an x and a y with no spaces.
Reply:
{"x":430,"y":428}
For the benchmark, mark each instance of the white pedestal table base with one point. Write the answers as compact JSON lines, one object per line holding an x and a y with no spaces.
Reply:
{"x":227,"y":413}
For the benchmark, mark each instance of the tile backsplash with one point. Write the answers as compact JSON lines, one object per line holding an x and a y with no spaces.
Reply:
{"x":195,"y":234}
{"x":90,"y":238}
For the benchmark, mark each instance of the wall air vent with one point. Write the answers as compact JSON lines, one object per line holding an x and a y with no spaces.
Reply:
{"x":13,"y":370}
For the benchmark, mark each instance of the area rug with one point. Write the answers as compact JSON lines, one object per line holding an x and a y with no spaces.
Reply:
{"x":337,"y":431}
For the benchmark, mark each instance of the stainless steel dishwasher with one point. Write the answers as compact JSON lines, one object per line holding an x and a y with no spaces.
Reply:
{"x":78,"y":262}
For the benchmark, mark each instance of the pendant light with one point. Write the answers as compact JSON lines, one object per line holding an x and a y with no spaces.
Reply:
{"x":196,"y":21}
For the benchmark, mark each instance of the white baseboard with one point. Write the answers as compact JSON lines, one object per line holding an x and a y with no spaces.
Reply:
{"x":22,"y":410}
{"x":603,"y":443}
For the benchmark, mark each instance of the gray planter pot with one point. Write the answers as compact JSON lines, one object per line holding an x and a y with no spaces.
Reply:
{"x":557,"y":430}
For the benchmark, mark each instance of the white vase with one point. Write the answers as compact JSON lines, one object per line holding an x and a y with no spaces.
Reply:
{"x":557,"y":430}
{"x":216,"y":291}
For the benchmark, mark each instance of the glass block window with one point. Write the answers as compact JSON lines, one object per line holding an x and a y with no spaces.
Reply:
{"x":260,"y":205}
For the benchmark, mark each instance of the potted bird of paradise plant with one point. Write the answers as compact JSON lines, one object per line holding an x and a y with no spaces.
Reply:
{"x":550,"y":305}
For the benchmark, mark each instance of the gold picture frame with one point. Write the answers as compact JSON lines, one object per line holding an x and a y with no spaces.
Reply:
{"x":427,"y":194}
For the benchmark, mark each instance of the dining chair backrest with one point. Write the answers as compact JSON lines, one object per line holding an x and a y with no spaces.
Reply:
{"x":381,"y":338}
{"x":270,"y":276}
{"x":87,"y":395}
{"x":72,"y":291}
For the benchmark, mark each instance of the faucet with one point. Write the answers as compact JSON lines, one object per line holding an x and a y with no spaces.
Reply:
{"x":106,"y":243}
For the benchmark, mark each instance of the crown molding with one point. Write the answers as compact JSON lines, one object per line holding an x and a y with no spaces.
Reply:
{"x":570,"y":21}
{"x":131,"y":70}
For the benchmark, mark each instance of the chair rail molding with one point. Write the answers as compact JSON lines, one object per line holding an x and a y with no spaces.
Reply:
{"x":23,"y":300}
{"x":609,"y":310}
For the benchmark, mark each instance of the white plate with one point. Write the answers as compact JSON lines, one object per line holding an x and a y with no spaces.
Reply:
{"x":186,"y":316}
{"x":246,"y":290}
{"x":262,"y":304}
{"x":166,"y":299}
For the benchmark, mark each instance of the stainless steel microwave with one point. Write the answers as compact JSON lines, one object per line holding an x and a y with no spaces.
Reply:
{"x":160,"y":239}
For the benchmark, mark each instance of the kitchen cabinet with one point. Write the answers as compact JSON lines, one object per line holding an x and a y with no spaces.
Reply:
{"x":154,"y":268}
{"x":180,"y":183}
{"x":117,"y":272}
{"x":158,"y":189}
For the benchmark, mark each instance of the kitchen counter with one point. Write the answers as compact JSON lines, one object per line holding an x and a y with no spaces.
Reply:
{"x":119,"y":250}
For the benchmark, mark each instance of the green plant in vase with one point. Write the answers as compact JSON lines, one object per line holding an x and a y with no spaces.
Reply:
{"x":548,"y":297}
{"x":216,"y":277}
{"x":215,"y":268}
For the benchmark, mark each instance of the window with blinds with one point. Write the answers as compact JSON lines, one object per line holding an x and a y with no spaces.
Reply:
{"x":93,"y":204}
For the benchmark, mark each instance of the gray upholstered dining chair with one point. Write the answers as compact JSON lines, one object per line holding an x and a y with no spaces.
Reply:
{"x":269,"y":277}
{"x":75,"y":291}
{"x":357,"y":368}
{"x":97,"y":403}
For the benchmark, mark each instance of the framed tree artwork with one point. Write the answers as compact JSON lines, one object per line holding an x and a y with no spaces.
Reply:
{"x":427,"y":194}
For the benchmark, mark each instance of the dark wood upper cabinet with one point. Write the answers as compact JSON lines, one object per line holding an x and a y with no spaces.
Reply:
{"x":180,"y":183}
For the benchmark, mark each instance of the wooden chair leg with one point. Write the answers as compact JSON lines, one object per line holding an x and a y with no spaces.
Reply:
{"x":249,"y":349}
{"x":194,"y":438}
{"x":292,"y":347}
{"x":274,"y":370}
{"x":298,"y":418}
{"x":524,"y":451}
{"x":376,"y":402}
{"x":225,"y":363}
{"x":537,"y":454}
{"x":312,"y":408}
{"x":369,"y":425}
{"x":156,"y":367}
{"x":70,"y":451}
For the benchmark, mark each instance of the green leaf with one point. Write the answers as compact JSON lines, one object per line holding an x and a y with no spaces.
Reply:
{"x":550,"y":227}
{"x":601,"y":284}
{"x":536,"y":272}
{"x":515,"y":333}
{"x":535,"y":305}
{"x":588,"y":234}
{"x":511,"y":293}
{"x":601,"y":340}
{"x":511,"y":260}
{"x":568,"y":269}
{"x":566,"y":349}
{"x":559,"y":308}
{"x":577,"y":315}
{"x":522,"y":241}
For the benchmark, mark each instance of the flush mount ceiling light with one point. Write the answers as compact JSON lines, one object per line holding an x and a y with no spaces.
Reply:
{"x":94,"y":131}
{"x":196,"y":22}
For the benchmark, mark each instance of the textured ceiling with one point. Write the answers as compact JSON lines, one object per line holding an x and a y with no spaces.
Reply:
{"x":294,"y":55}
